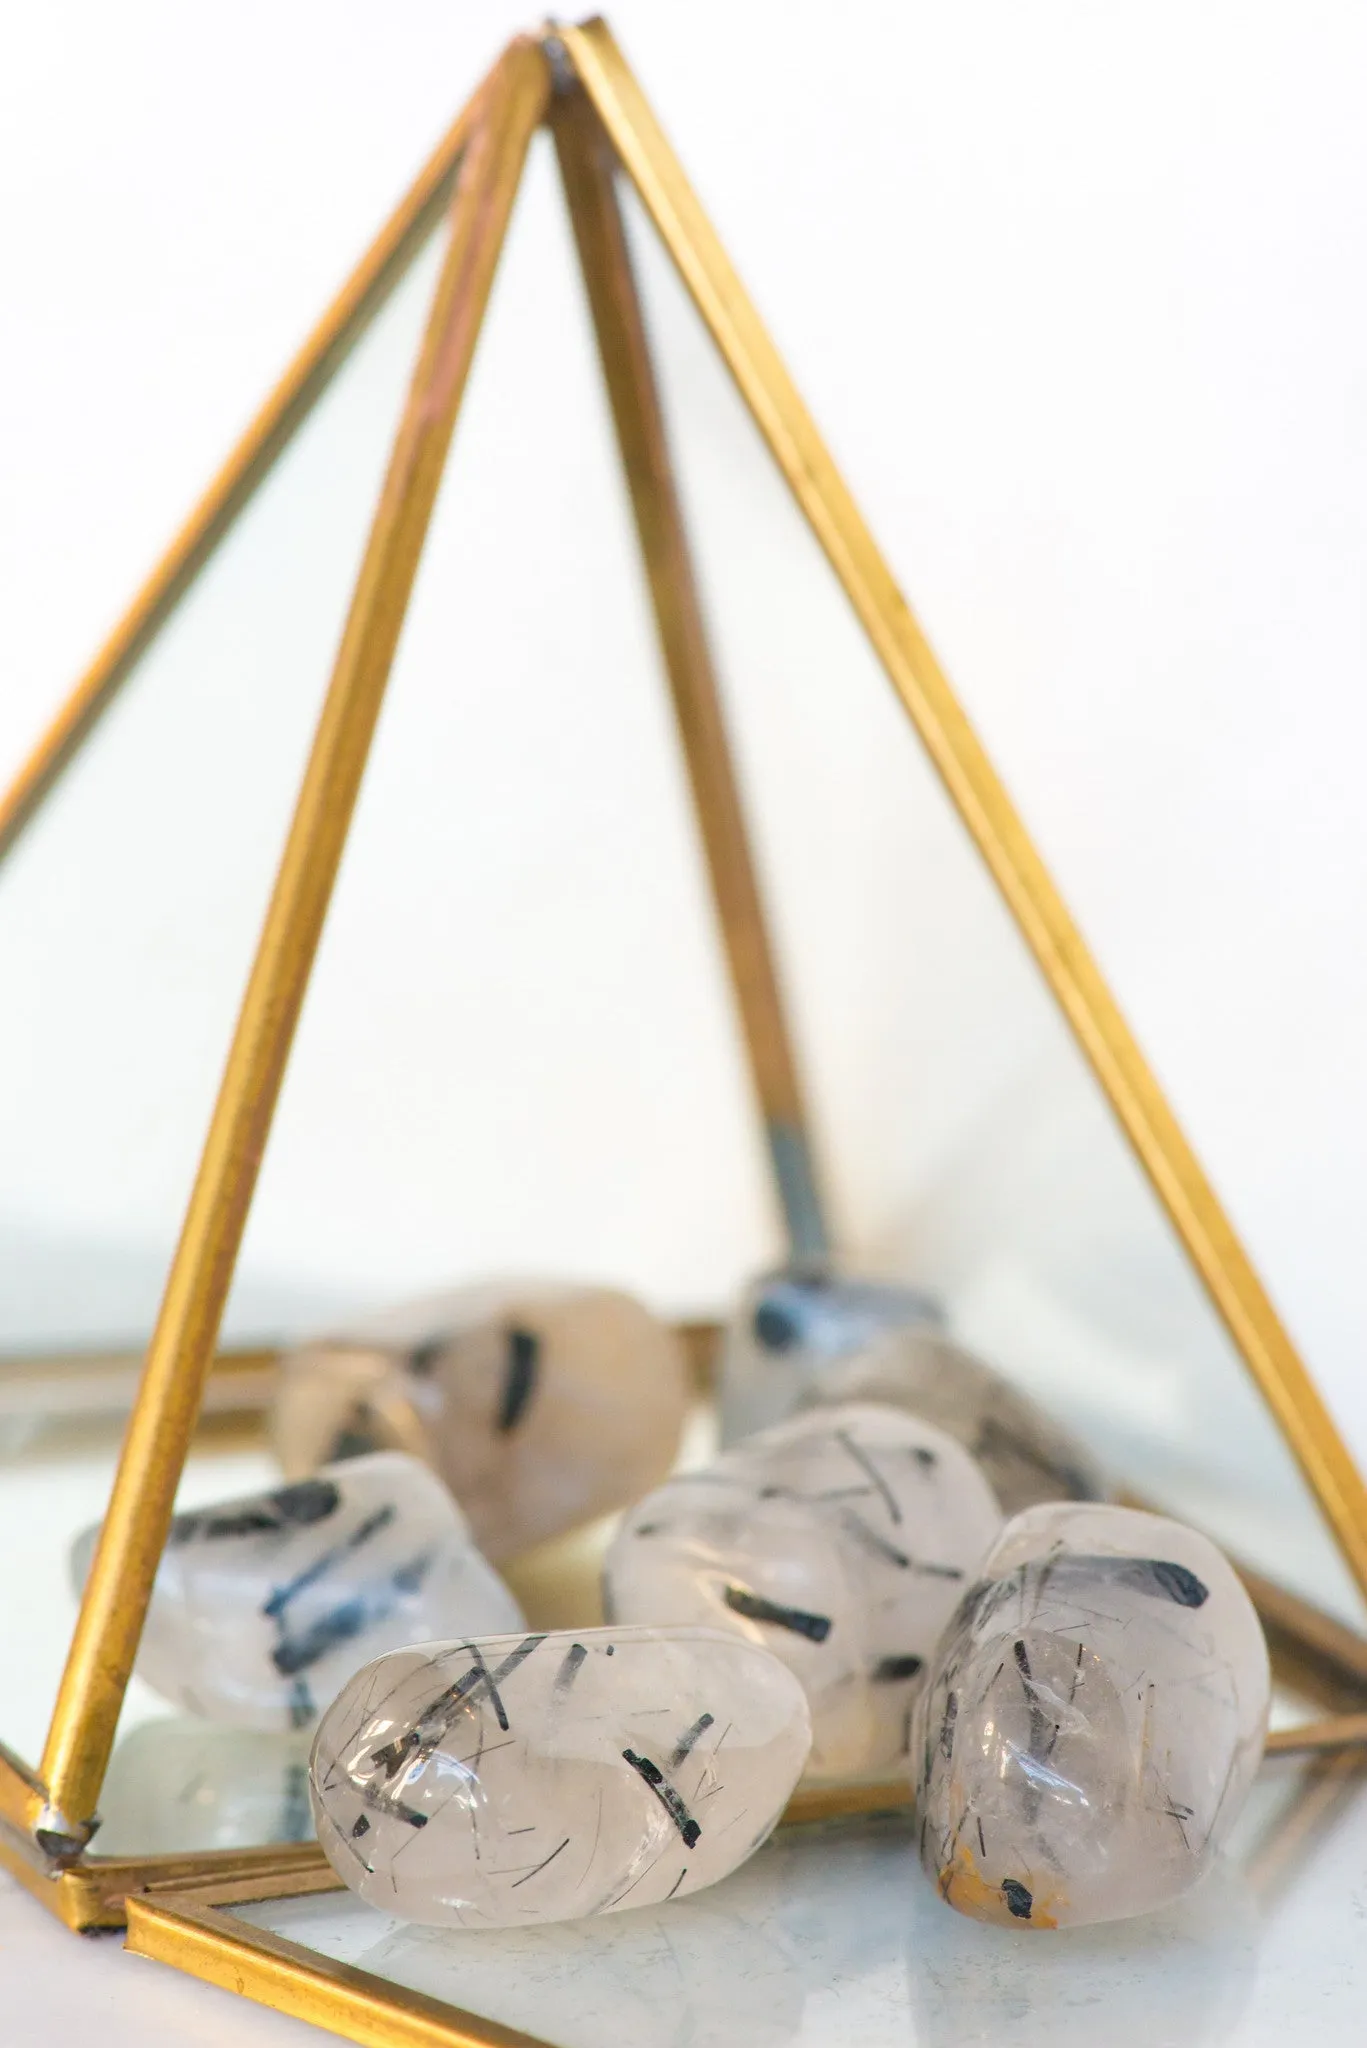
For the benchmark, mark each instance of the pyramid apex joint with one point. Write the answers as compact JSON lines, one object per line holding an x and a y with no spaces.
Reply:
{"x":563,"y":76}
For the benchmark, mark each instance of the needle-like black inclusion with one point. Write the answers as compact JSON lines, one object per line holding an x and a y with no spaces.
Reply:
{"x":688,"y":1738}
{"x":889,"y":1668}
{"x":437,"y":1716}
{"x":290,"y":1507}
{"x":423,"y":1357}
{"x":519,"y":1384}
{"x":667,"y":1796}
{"x":816,"y":1627}
{"x":774,"y":1327}
{"x":1157,"y":1577}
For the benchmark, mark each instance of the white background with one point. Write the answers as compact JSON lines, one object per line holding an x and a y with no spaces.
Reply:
{"x":1076,"y":295}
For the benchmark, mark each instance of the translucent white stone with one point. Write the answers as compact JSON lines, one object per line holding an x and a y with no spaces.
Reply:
{"x":808,"y":1338}
{"x":176,"y":1786}
{"x":1093,"y":1720}
{"x":263,"y":1607}
{"x":541,"y":1406}
{"x":841,"y":1540}
{"x":791,"y":1327}
{"x":551,"y":1777}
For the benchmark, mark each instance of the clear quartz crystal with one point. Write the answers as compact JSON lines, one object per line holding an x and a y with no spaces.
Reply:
{"x":541,"y":1405}
{"x":841,"y":1540}
{"x":1093,"y":1720}
{"x":519,"y":1779}
{"x":176,"y":1786}
{"x":263,"y":1607}
{"x":807,"y":1338}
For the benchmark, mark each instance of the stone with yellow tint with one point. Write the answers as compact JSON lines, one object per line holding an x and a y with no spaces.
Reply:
{"x":541,"y":1405}
{"x":1093,"y":1720}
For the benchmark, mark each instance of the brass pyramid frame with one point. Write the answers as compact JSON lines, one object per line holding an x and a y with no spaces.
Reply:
{"x":575,"y":81}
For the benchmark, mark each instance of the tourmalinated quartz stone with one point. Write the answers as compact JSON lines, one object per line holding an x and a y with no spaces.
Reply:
{"x":1093,"y":1720}
{"x":175,"y":1786}
{"x":792,"y":1327}
{"x":841,"y":1540}
{"x":805,"y":1338}
{"x":263,"y":1607}
{"x":549,"y":1777}
{"x":541,"y":1406}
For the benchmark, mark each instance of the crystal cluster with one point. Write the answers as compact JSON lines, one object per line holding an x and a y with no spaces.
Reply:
{"x":263,"y":1607}
{"x":841,"y":1540}
{"x":1092,"y":1722}
{"x":541,"y":1406}
{"x":805,"y":1338}
{"x":513,"y":1779}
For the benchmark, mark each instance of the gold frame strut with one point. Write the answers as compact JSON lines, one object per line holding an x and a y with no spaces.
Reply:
{"x":575,"y":80}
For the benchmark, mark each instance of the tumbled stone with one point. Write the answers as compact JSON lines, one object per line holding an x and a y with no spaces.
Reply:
{"x":176,"y":1786}
{"x":541,"y":1406}
{"x":1093,"y":1720}
{"x":263,"y":1607}
{"x":514,"y":1779}
{"x":792,"y":1326}
{"x":806,"y":1338}
{"x":841,"y":1540}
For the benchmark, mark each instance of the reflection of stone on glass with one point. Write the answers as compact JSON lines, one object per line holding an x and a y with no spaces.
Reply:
{"x":263,"y":1607}
{"x":805,"y":1338}
{"x":174,"y":1786}
{"x":511,"y":1780}
{"x":1092,"y":1722}
{"x":841,"y":1540}
{"x":542,"y":1406}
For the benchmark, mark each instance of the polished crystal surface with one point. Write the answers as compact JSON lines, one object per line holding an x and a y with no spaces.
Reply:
{"x":540,"y":1405}
{"x":263,"y":1607}
{"x":841,"y":1540}
{"x":521,"y":1779}
{"x":1093,"y":1720}
{"x":807,"y":1337}
{"x":176,"y":1786}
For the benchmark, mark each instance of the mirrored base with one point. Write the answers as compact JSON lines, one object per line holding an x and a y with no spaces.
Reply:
{"x":831,"y":1937}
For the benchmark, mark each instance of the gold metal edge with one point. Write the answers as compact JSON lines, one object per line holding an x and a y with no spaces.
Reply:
{"x":1314,"y":1738}
{"x":974,"y":788}
{"x":89,"y":1895}
{"x":206,"y":1942}
{"x":22,"y":1797}
{"x":587,"y":172}
{"x":134,"y":1530}
{"x":269,"y":433}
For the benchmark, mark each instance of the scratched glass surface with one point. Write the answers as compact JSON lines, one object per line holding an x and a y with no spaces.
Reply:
{"x":831,"y":1937}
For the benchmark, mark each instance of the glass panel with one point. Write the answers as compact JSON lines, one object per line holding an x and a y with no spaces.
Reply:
{"x":831,"y":1936}
{"x":966,"y":1145}
{"x":129,"y":912}
{"x":517,"y":1053}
